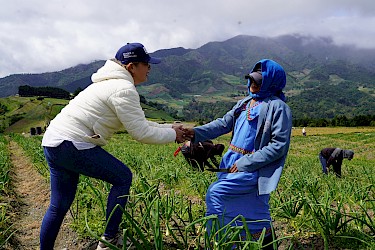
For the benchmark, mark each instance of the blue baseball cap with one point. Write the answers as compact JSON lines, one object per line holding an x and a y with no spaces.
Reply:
{"x":135,"y":52}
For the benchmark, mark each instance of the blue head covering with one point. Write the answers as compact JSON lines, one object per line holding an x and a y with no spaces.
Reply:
{"x":273,"y":80}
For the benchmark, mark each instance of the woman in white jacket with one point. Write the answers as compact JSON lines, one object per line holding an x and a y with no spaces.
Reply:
{"x":73,"y":140}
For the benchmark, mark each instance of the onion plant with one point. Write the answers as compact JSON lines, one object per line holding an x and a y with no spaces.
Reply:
{"x":166,"y":208}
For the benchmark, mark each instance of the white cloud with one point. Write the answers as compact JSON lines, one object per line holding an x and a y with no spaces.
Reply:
{"x":40,"y":36}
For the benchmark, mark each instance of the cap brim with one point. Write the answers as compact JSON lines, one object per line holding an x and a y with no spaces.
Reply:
{"x":154,"y":60}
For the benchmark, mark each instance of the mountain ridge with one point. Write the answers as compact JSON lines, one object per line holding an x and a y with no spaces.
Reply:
{"x":214,"y":72}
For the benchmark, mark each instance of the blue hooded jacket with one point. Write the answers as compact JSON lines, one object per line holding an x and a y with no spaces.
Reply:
{"x":273,"y":129}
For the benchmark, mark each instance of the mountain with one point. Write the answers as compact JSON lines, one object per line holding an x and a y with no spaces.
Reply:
{"x":69,"y":79}
{"x":323,"y":79}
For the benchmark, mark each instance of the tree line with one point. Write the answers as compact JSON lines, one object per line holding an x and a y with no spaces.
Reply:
{"x":52,"y":92}
{"x":337,"y":121}
{"x":204,"y":112}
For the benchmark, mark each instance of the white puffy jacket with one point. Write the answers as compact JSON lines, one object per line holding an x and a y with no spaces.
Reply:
{"x":109,"y":104}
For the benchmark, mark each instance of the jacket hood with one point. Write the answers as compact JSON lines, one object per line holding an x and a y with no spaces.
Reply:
{"x":273,"y":79}
{"x":111,"y":70}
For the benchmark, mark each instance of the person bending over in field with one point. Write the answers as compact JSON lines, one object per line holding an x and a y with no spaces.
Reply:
{"x":261,"y":124}
{"x":74,"y":139}
{"x":334,"y":157}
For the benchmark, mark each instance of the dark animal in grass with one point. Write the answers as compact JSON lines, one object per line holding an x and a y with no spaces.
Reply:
{"x":199,"y":154}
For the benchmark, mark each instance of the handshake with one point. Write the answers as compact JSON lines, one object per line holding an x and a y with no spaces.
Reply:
{"x":183,"y":134}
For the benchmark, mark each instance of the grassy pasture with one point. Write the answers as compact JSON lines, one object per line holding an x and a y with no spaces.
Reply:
{"x":166,"y":206}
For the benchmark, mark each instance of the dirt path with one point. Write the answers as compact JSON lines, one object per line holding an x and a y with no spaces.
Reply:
{"x":32,"y":191}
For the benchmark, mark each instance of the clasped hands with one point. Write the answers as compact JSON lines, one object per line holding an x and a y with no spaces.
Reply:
{"x":183,"y":134}
{"x":187,"y":134}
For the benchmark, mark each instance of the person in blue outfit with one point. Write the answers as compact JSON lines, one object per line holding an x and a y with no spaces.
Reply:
{"x":261,"y":125}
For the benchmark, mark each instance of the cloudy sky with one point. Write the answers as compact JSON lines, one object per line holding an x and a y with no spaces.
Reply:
{"x":49,"y":35}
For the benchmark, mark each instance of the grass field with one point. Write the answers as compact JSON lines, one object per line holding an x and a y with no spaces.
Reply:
{"x":166,"y":207}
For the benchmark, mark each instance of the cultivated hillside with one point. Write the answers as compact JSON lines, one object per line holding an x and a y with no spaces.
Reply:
{"x":324,"y":80}
{"x":20,"y":114}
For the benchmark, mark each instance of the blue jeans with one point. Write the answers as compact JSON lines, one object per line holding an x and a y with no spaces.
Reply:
{"x":66,"y":163}
{"x":323,"y":162}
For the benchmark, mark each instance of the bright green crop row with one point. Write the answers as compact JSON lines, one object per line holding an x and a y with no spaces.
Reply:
{"x":166,"y":206}
{"x":6,"y":229}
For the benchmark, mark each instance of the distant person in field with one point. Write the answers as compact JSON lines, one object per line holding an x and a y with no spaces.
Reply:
{"x":261,"y":125}
{"x":304,"y":131}
{"x":333,"y":157}
{"x":74,"y":139}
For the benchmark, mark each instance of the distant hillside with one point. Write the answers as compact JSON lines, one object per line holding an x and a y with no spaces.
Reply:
{"x":20,"y":114}
{"x":23,"y":113}
{"x":323,"y":79}
{"x":69,"y":79}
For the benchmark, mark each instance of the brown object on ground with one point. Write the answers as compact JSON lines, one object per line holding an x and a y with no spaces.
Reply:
{"x":33,"y":193}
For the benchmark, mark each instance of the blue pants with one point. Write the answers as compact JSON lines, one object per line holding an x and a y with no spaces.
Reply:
{"x":236,"y":194}
{"x":66,"y":163}
{"x":323,"y":161}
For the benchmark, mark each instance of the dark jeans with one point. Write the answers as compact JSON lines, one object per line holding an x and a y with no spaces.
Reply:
{"x":323,"y":162}
{"x":336,"y":166}
{"x":66,"y":163}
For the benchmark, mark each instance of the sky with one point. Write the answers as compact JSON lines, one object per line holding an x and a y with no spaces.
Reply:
{"x":38,"y":36}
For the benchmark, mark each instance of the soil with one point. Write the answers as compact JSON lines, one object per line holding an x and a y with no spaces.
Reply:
{"x":32,"y":197}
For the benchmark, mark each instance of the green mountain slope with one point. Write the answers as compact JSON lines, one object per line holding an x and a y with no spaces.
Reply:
{"x":328,"y":101}
{"x":20,"y":114}
{"x":316,"y":70}
{"x":23,"y":113}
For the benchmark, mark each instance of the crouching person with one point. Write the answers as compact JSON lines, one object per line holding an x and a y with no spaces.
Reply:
{"x":73,"y":140}
{"x":333,"y":157}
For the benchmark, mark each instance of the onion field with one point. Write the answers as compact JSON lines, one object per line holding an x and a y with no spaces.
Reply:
{"x":166,"y":208}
